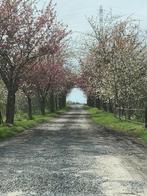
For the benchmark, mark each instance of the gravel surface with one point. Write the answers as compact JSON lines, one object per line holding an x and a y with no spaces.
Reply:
{"x":72,"y":157}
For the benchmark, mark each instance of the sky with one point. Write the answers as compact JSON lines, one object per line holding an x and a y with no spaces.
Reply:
{"x":74,"y":13}
{"x":77,"y":95}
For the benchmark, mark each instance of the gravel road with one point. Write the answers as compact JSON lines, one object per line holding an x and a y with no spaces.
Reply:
{"x":72,"y":157}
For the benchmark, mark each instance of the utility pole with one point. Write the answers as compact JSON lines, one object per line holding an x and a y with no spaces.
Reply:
{"x":101,"y":16}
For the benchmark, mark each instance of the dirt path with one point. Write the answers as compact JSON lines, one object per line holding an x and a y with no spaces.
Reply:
{"x":71,"y":156}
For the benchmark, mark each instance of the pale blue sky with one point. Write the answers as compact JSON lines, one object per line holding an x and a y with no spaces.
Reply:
{"x":74,"y":13}
{"x":77,"y":95}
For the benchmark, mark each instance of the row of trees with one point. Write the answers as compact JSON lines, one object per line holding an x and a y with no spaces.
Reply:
{"x":33,"y":54}
{"x":114,"y":65}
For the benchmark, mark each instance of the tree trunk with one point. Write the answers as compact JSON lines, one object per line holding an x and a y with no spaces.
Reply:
{"x":110,"y":106}
{"x":64,"y":101}
{"x":129,"y":114}
{"x":10,"y":107}
{"x":98,"y":103}
{"x":145,"y":117}
{"x":105,"y":106}
{"x":30,"y":108}
{"x":1,"y":118}
{"x":56,"y":102}
{"x":60,"y":103}
{"x":42,"y":106}
{"x":52,"y":102}
{"x":89,"y":101}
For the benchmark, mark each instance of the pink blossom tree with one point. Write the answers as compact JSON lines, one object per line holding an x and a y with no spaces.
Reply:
{"x":25,"y":34}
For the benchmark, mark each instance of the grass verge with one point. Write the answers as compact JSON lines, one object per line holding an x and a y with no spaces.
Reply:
{"x":21,"y":124}
{"x":108,"y":120}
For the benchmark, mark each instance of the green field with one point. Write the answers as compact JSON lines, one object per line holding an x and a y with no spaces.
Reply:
{"x":22,"y":123}
{"x":108,"y":120}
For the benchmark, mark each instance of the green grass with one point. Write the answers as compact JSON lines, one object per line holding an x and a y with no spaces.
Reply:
{"x":22,"y":123}
{"x":108,"y":120}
